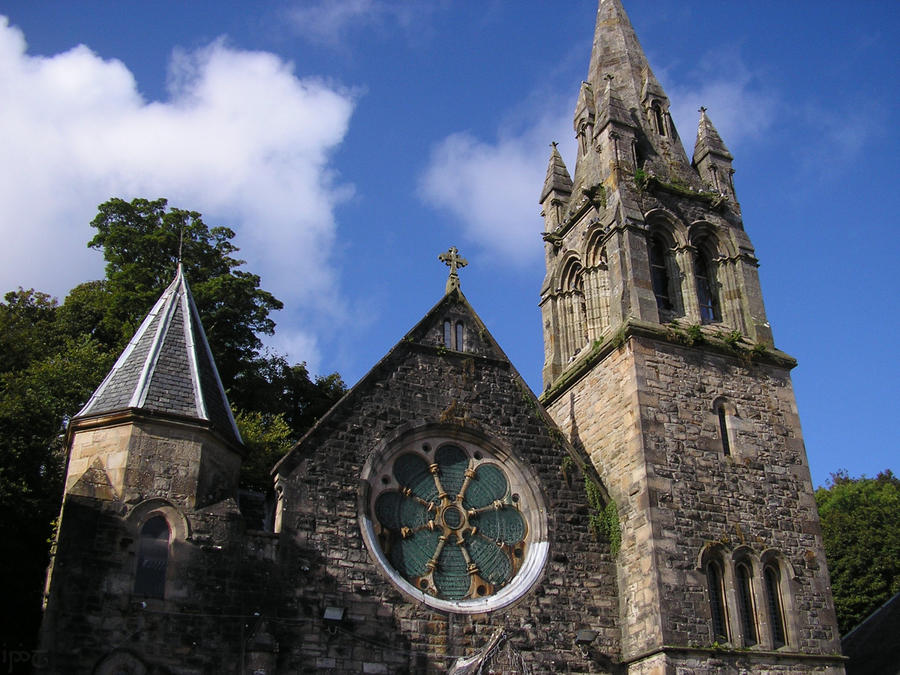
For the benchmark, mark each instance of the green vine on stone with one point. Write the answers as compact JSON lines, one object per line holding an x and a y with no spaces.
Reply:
{"x":603,"y":519}
{"x":733,"y":339}
{"x":694,"y":334}
{"x":640,"y":178}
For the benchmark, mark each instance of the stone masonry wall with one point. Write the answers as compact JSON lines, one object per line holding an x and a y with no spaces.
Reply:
{"x":220,"y":582}
{"x":385,"y":631}
{"x":677,"y":492}
{"x":600,"y":413}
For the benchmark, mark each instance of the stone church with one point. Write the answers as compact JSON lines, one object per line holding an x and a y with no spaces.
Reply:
{"x":651,"y":512}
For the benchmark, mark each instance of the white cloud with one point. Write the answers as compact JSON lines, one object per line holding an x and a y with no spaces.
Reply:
{"x":492,"y":189}
{"x":741,"y":109}
{"x":241,"y":138}
{"x":328,"y":21}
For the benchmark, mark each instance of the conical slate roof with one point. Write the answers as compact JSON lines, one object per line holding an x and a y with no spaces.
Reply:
{"x":167,"y":368}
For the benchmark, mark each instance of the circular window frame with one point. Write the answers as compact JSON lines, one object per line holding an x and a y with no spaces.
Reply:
{"x":522,"y":482}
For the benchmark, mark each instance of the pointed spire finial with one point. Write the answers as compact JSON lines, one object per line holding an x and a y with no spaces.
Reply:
{"x":454,"y":261}
{"x":701,"y":109}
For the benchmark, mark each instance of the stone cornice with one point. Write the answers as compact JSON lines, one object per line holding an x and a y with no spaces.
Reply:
{"x":131,"y":415}
{"x":709,"y":341}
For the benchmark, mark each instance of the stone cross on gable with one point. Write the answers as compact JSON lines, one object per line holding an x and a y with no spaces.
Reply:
{"x":454,"y":261}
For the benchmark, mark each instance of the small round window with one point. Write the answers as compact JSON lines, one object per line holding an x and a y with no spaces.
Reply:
{"x":455,"y":523}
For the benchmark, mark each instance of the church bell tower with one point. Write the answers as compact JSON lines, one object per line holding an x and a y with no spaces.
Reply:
{"x":660,"y":364}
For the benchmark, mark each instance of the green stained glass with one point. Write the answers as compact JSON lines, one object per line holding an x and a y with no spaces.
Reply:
{"x":493,"y":564}
{"x":488,"y":485}
{"x":506,"y":525}
{"x":413,"y":514}
{"x":387,"y":510}
{"x":453,"y":463}
{"x":394,"y":511}
{"x":412,"y":471}
{"x":473,"y":530}
{"x":451,"y":577}
{"x":410,"y":556}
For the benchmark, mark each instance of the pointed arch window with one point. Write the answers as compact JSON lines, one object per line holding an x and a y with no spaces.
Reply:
{"x":774,"y":608}
{"x":705,"y":282}
{"x":460,"y":332}
{"x":716,"y":587}
{"x":153,"y":558}
{"x":744,"y":578}
{"x":659,"y":273}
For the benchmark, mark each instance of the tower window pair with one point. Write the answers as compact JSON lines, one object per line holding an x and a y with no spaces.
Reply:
{"x":454,"y":335}
{"x":664,"y":277}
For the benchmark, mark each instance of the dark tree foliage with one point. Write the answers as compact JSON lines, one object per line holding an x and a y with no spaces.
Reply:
{"x":141,"y":240}
{"x":861,"y":525}
{"x":47,"y":372}
{"x":53,"y":356}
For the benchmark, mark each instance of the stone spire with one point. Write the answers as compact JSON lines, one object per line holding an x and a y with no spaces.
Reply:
{"x":712,"y":159}
{"x":167,"y":368}
{"x":627,"y":92}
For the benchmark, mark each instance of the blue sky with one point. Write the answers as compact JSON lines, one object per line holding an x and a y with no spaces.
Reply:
{"x":349,"y":142}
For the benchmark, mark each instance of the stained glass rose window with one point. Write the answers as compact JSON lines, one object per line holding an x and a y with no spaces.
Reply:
{"x":454,"y":522}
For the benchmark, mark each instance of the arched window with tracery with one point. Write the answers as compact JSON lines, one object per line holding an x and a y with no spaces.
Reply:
{"x":774,"y":608}
{"x":706,"y":285}
{"x":717,"y":607}
{"x":153,"y":558}
{"x":575,"y":306}
{"x":661,"y":273}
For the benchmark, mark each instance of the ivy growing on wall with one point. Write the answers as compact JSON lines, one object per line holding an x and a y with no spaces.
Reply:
{"x":603,"y":519}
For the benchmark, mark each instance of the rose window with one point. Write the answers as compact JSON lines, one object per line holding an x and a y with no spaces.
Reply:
{"x":449,"y":520}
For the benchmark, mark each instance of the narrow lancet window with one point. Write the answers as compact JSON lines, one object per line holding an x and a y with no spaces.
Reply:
{"x":153,"y":558}
{"x":659,"y":274}
{"x":448,"y":335}
{"x":773,"y":602}
{"x":459,"y":336}
{"x":723,"y":430}
{"x":745,"y":600}
{"x":660,"y":119}
{"x":706,"y":289}
{"x":717,"y":601}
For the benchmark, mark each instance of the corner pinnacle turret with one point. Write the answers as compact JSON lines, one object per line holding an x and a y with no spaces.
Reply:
{"x":712,"y":159}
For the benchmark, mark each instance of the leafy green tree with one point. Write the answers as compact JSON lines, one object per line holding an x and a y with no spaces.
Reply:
{"x":266,"y":437}
{"x":46,"y":375}
{"x":273,"y":386}
{"x":861,"y":526}
{"x":141,"y":241}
